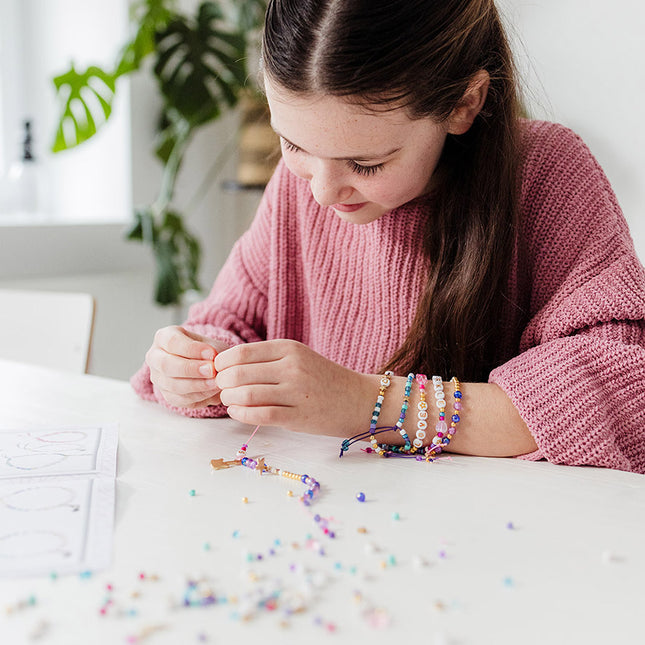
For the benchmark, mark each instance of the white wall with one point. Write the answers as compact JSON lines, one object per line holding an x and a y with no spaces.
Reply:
{"x":582,"y":61}
{"x":585,"y":72}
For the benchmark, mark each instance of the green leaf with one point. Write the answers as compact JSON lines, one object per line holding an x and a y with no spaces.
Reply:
{"x":78,"y":115}
{"x":150,"y":16}
{"x":173,"y":133}
{"x":176,"y":251}
{"x":200,"y":64}
{"x":168,"y":287}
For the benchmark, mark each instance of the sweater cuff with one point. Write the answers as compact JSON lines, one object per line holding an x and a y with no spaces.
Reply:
{"x":561,"y":390}
{"x":142,"y":385}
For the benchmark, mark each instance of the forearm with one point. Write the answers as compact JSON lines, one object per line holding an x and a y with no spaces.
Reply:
{"x":490,"y":424}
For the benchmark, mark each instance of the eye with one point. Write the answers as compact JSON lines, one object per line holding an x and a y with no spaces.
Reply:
{"x":289,"y":146}
{"x":368,"y":171}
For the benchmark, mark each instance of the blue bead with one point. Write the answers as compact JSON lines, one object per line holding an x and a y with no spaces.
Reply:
{"x":360,"y":497}
{"x":455,"y":418}
{"x":457,"y":395}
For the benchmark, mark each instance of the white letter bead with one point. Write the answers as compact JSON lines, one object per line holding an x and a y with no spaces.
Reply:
{"x":422,"y":405}
{"x":417,"y":443}
{"x":421,"y":434}
{"x":441,"y":403}
{"x":422,"y":425}
{"x":423,"y":414}
{"x":437,"y":379}
{"x":439,"y":394}
{"x":385,"y":381}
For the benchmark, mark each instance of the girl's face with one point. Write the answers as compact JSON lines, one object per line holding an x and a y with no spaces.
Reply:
{"x":362,"y":164}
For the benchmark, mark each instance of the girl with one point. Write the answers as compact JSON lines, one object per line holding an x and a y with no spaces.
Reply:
{"x":417,"y":224}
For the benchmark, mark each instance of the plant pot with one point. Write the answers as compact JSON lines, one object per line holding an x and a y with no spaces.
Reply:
{"x":259,"y":145}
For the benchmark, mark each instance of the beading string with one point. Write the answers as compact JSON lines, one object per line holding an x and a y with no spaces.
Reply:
{"x":344,"y":447}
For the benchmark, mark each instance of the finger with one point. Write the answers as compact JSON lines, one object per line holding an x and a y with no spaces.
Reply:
{"x":183,"y":386}
{"x":181,"y":342}
{"x":191,"y":401}
{"x":248,"y":374}
{"x":256,"y":395}
{"x":264,"y":415}
{"x":259,"y":352}
{"x":174,"y":366}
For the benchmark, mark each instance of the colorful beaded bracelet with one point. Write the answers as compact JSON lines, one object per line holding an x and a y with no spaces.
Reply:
{"x":422,"y":412}
{"x":399,"y":424}
{"x":444,"y":432}
{"x":384,"y":384}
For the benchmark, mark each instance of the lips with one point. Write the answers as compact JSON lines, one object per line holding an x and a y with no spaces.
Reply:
{"x":348,"y":208}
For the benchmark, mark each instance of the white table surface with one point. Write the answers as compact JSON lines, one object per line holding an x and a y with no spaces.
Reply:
{"x":449,"y":571}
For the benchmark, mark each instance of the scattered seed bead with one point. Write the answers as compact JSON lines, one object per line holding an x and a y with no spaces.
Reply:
{"x":360,"y":497}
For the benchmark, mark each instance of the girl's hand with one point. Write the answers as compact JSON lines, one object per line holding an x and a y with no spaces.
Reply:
{"x":181,"y":366}
{"x":285,"y":383}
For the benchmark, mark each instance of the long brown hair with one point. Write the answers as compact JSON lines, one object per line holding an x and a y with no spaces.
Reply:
{"x":422,"y":54}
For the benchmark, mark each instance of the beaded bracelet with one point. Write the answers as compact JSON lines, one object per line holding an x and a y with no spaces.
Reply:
{"x":422,"y":412}
{"x":444,"y":435}
{"x":385,"y":383}
{"x":399,"y":424}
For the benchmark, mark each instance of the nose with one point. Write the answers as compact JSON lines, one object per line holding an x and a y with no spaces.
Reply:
{"x":329,"y":186}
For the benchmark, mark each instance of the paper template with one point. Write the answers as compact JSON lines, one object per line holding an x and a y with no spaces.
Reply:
{"x":57,"y":491}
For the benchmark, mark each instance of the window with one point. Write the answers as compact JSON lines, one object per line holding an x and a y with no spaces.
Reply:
{"x":91,"y":183}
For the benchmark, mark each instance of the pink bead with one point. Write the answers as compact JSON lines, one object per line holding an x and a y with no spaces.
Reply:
{"x":456,"y":405}
{"x":441,"y":426}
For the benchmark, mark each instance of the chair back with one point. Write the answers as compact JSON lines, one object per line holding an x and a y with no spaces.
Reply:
{"x":47,"y":328}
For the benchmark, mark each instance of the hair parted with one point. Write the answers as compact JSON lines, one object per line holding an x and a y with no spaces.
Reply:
{"x":422,"y":55}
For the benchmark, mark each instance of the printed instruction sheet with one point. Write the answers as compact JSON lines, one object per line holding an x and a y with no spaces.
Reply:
{"x":57,"y":494}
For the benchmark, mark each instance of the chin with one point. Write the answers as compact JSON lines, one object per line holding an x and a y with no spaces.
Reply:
{"x":370,"y":213}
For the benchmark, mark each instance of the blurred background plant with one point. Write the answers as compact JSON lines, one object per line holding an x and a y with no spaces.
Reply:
{"x":203,"y":67}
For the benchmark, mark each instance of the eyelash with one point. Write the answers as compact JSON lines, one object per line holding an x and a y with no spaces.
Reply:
{"x":367,"y":171}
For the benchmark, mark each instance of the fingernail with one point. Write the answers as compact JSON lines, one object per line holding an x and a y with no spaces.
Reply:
{"x":208,"y":354}
{"x":206,"y":370}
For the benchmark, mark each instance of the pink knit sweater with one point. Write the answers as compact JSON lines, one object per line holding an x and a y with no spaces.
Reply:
{"x":577,"y":367}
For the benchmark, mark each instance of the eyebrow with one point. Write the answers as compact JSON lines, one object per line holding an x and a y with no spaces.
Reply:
{"x":355,"y":158}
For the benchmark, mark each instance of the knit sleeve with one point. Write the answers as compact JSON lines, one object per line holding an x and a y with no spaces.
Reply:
{"x":579,"y":379}
{"x":234,"y":311}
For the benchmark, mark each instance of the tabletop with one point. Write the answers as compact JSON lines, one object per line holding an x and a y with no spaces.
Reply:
{"x":462,"y":550}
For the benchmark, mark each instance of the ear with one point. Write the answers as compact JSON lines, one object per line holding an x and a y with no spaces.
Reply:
{"x":470,"y":104}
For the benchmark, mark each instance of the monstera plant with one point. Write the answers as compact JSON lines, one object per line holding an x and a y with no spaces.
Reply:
{"x":200,"y":63}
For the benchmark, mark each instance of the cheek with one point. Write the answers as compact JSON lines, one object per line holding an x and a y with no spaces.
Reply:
{"x":398,"y":189}
{"x":296,"y":165}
